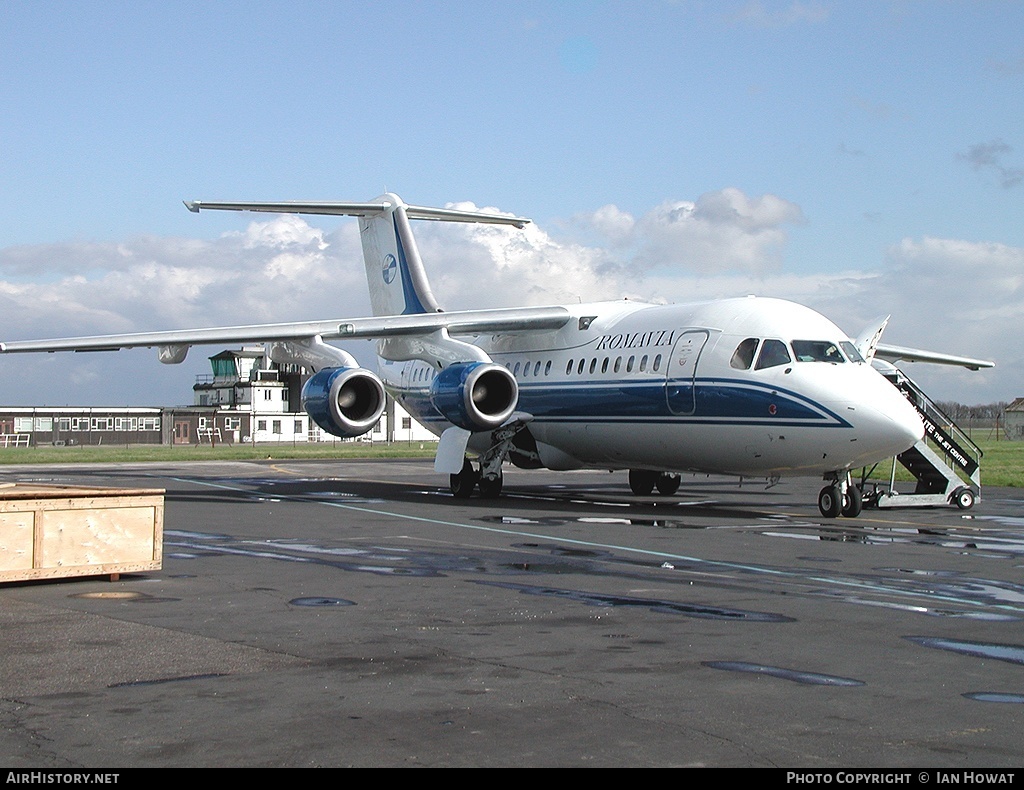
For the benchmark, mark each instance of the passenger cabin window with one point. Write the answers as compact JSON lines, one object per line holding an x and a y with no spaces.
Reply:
{"x":773,"y":353}
{"x":743,"y":356}
{"x":817,"y":351}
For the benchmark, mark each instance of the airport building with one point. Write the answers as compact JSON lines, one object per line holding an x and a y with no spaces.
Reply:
{"x":1014,"y":420}
{"x":69,"y":425}
{"x":247,"y":399}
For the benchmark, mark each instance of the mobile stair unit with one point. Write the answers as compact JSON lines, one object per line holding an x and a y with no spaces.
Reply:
{"x":946,"y":464}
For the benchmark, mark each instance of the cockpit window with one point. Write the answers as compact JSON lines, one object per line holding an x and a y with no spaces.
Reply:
{"x":817,"y":351}
{"x":743,"y":356}
{"x":773,"y":353}
{"x":851,"y":351}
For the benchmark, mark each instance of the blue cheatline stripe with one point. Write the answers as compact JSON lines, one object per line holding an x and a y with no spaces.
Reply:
{"x":754,"y":569}
{"x":712,"y":402}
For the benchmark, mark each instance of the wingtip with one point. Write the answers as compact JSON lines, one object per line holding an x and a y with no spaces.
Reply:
{"x":192,"y":205}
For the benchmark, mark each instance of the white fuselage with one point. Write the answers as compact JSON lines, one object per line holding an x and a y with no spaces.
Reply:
{"x":746,"y":386}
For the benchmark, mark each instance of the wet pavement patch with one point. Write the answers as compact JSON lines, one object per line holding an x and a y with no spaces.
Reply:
{"x":546,"y":521}
{"x":995,"y":696}
{"x":159,"y":681}
{"x":321,"y":601}
{"x":809,"y":678}
{"x":655,"y":605}
{"x":1013,"y":654}
{"x":966,"y":540}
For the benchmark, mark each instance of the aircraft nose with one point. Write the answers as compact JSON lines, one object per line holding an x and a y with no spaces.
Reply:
{"x":891,"y":421}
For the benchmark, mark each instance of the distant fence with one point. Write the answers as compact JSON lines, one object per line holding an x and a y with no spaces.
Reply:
{"x":14,"y":439}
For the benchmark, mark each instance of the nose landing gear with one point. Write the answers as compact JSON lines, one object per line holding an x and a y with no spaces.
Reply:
{"x":840,"y":497}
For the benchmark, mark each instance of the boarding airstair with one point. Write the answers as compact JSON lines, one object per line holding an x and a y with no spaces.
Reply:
{"x":946,"y":464}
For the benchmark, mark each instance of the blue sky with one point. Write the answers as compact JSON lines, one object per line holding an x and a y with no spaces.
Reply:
{"x":873,"y":153}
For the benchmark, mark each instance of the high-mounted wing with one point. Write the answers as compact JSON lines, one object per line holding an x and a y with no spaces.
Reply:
{"x":517,"y":319}
{"x":903,"y":354}
{"x":868,"y":346}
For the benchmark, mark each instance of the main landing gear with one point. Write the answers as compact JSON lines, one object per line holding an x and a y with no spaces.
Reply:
{"x":489,"y":482}
{"x":463,"y":483}
{"x":487,"y":476}
{"x":840,"y":498}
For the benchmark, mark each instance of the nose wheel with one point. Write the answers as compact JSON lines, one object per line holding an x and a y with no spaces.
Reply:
{"x":830,"y":501}
{"x":853,"y":503}
{"x":840,"y":499}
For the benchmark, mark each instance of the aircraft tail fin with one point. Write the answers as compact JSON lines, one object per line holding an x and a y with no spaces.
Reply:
{"x":395,"y":273}
{"x":867,"y":341}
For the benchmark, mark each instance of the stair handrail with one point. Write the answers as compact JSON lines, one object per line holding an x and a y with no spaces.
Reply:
{"x":932,"y":412}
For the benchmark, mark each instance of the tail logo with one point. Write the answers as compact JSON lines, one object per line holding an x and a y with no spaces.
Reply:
{"x":390,"y":268}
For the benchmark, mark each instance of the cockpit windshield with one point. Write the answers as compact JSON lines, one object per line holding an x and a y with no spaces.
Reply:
{"x":817,"y":351}
{"x":851,"y":351}
{"x":776,"y":352}
{"x":743,"y":356}
{"x":773,"y":353}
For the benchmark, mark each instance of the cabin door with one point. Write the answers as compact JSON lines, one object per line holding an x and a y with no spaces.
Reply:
{"x":681,"y":371}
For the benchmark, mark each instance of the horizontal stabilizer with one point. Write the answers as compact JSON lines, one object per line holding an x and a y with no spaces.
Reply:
{"x":358,"y":210}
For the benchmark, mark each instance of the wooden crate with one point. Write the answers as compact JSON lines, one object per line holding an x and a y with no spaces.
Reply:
{"x":49,"y":532}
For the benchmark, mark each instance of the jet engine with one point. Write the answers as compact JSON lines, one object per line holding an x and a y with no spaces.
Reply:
{"x":346,"y":402}
{"x":477,"y":396}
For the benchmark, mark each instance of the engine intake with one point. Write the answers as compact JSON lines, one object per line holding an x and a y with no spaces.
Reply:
{"x":477,"y":396}
{"x":345,"y":402}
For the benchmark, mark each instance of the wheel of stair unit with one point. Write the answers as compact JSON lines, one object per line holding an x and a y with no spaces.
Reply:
{"x":964,"y":498}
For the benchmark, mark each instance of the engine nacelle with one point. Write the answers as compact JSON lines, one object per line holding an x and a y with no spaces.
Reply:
{"x":346,"y":402}
{"x":477,"y":396}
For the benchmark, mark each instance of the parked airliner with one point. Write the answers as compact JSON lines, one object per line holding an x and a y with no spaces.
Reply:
{"x":745,"y":386}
